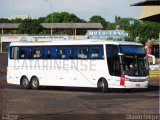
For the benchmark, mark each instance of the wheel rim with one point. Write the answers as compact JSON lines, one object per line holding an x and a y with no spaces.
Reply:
{"x":25,"y":82}
{"x":102,"y":85}
{"x":34,"y":83}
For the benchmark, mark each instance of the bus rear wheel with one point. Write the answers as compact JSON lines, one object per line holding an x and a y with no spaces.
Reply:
{"x":34,"y":83}
{"x":103,"y":85}
{"x":25,"y":82}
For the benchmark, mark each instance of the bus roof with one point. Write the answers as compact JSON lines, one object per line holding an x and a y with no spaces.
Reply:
{"x":74,"y":42}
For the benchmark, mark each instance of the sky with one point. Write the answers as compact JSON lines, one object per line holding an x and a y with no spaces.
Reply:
{"x":84,"y":9}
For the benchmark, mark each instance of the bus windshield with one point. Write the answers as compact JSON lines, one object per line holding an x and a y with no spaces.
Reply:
{"x":134,"y":61}
{"x":135,"y":65}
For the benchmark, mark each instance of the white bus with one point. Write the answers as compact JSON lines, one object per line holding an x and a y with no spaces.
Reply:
{"x":78,"y":63}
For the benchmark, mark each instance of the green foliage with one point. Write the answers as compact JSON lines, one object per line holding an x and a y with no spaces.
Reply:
{"x":125,"y":23}
{"x":17,"y":20}
{"x":139,"y":31}
{"x":4,"y":20}
{"x":41,"y":19}
{"x":110,"y":26}
{"x":98,"y":19}
{"x":29,"y":26}
{"x":62,"y":17}
{"x":144,"y":31}
{"x":148,"y":31}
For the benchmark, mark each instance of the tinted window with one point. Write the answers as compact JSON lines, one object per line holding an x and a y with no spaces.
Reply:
{"x":65,"y":52}
{"x":62,"y":53}
{"x":96,"y":52}
{"x":113,"y":60}
{"x":25,"y":53}
{"x":14,"y":53}
{"x":37,"y":52}
{"x":54,"y":52}
{"x":46,"y":53}
{"x":58,"y":52}
{"x":80,"y":52}
{"x":132,"y":49}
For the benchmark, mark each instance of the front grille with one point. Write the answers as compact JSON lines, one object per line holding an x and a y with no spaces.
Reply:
{"x":137,"y":80}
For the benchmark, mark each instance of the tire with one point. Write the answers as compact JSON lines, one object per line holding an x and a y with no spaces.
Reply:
{"x":103,"y":85}
{"x":34,"y":83}
{"x":25,"y":82}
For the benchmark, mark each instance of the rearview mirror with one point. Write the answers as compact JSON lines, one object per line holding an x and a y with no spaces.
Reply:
{"x":120,"y":54}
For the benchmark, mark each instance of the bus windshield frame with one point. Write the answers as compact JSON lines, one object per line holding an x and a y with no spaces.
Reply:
{"x":134,"y":61}
{"x":130,"y":60}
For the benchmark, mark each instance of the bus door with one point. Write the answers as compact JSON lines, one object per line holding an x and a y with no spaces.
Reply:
{"x":113,"y":61}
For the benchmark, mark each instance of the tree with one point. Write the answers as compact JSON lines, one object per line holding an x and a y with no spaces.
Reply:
{"x":62,"y":17}
{"x":110,"y":26}
{"x":4,"y":20}
{"x":149,"y":31}
{"x":17,"y":20}
{"x":98,"y":19}
{"x":144,"y":31}
{"x":125,"y":23}
{"x":29,"y":26}
{"x":41,"y":19}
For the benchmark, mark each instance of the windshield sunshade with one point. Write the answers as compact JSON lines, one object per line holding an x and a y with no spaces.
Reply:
{"x":132,"y":50}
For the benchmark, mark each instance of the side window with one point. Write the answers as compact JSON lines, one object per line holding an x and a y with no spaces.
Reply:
{"x":54,"y":53}
{"x":65,"y":52}
{"x":96,"y":52}
{"x":113,"y":60}
{"x":37,"y":53}
{"x":25,"y":53}
{"x":80,"y":53}
{"x":14,"y":53}
{"x":62,"y":53}
{"x":46,"y":53}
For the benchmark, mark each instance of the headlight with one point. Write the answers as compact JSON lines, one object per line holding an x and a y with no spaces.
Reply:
{"x":147,"y":79}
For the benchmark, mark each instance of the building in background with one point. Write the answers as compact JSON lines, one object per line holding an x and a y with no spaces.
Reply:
{"x":150,"y":10}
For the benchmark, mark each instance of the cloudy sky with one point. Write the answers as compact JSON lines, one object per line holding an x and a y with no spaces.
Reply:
{"x":82,"y":8}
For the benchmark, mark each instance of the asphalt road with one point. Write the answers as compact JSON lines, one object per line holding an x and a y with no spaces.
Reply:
{"x":76,"y":103}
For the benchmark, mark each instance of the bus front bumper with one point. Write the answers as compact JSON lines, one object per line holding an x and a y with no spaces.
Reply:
{"x":129,"y":84}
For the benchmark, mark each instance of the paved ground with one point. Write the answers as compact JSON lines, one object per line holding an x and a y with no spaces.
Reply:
{"x":82,"y":103}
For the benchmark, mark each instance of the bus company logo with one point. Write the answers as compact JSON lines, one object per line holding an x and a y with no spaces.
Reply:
{"x":80,"y":65}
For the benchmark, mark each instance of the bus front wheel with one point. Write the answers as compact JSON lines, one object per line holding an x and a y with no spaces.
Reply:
{"x":103,"y":85}
{"x":25,"y":82}
{"x":34,"y":83}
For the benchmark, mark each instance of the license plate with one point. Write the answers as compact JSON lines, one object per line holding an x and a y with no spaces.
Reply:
{"x":137,"y":85}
